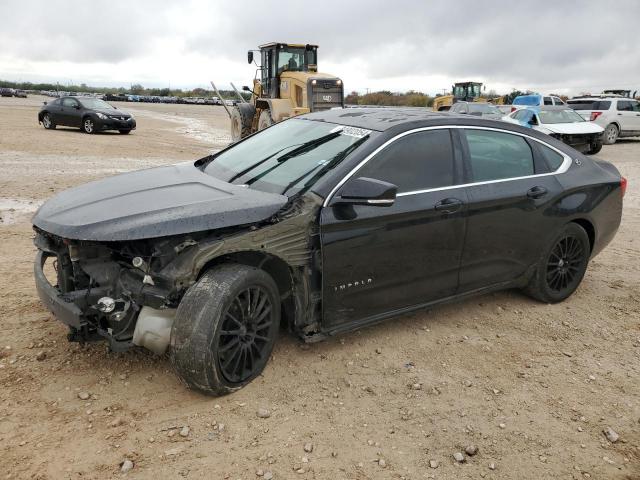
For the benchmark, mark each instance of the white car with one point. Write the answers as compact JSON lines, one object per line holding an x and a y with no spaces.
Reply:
{"x":619,"y":116}
{"x":561,"y":123}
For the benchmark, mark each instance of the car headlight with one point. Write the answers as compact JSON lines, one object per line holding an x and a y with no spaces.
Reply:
{"x":101,"y":116}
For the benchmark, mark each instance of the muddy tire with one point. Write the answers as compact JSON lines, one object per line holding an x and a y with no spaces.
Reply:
{"x":562,"y":267}
{"x":241,"y":121}
{"x":47,"y":122}
{"x":225,"y":328}
{"x":610,"y":134}
{"x":124,"y":132}
{"x":265,"y":120}
{"x":595,"y":147}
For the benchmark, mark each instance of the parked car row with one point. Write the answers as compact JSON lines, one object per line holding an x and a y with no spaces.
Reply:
{"x":585,"y":123}
{"x":213,"y":100}
{"x":11,"y":92}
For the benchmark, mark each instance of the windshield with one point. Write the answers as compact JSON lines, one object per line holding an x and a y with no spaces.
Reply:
{"x":288,"y":157}
{"x":95,"y":103}
{"x":466,"y":91}
{"x":482,"y":108}
{"x":295,"y":59}
{"x":559,"y":116}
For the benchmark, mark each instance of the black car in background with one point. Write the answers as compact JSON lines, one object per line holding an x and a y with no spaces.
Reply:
{"x":89,"y":114}
{"x":324,"y":222}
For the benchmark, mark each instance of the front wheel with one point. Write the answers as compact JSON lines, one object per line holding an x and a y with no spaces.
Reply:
{"x":88,"y":125}
{"x":125,"y":132}
{"x":225,"y":328}
{"x":595,"y":147}
{"x":265,"y":120}
{"x":562,"y":267}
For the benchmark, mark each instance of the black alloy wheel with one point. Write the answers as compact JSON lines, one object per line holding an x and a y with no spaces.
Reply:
{"x":225,"y":328}
{"x":565,"y":262}
{"x":561,"y":266}
{"x":244,"y":339}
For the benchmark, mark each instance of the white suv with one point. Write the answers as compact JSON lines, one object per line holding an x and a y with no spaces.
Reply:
{"x":619,"y":116}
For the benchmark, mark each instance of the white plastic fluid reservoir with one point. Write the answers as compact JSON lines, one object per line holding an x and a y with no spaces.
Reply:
{"x":153,"y":329}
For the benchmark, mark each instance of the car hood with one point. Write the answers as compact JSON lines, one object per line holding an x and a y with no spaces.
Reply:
{"x":573,"y":128}
{"x":157,"y":202}
{"x":112,"y":112}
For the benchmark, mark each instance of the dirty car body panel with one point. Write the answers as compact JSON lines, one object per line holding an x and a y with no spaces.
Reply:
{"x":143,"y":239}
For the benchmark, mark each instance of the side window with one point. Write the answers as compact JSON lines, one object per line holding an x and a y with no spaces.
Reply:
{"x":558,"y":101}
{"x":417,"y":161}
{"x":526,"y":116}
{"x":547,"y":101}
{"x":625,"y":106}
{"x":69,"y":102}
{"x":602,"y":105}
{"x":496,"y":155}
{"x":635,"y":106}
{"x":553,"y":158}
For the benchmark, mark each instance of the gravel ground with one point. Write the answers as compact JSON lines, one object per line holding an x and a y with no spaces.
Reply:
{"x":513,"y":388}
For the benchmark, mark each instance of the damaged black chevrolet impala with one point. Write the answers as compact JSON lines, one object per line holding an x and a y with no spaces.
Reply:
{"x":323,"y":223}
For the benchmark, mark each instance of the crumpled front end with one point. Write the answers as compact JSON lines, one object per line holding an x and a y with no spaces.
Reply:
{"x":99,"y":289}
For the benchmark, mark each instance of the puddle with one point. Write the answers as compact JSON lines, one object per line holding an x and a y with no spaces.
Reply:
{"x":13,"y":210}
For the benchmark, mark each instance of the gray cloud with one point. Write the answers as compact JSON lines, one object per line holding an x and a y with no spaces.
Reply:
{"x":549,"y":44}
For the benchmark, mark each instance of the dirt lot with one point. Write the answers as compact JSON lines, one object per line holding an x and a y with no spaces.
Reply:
{"x":531,"y":385}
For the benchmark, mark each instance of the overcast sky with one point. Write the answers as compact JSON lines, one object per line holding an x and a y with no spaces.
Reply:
{"x":561,"y":46}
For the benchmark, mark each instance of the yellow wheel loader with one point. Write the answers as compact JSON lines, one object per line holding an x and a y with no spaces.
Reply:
{"x":287,"y":84}
{"x":461,"y":92}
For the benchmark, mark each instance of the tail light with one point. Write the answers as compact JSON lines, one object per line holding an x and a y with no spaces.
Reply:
{"x":594,"y":115}
{"x":623,"y":185}
{"x":513,"y":109}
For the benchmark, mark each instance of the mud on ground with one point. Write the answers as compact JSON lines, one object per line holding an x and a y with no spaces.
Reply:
{"x":531,"y":385}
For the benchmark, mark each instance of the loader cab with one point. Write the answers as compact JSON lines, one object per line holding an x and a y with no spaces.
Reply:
{"x":466,"y":91}
{"x":277,"y":58}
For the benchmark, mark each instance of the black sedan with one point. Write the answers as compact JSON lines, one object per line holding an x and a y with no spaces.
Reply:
{"x":89,"y":114}
{"x":325,"y":222}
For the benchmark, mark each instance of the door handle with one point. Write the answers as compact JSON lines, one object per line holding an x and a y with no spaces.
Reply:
{"x":448,"y":205}
{"x":536,"y":192}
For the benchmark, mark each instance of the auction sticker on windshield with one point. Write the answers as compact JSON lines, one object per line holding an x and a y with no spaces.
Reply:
{"x":352,"y":131}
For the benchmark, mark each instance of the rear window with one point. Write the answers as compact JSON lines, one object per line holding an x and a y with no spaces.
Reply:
{"x":553,"y":158}
{"x":530,"y":100}
{"x":590,"y":104}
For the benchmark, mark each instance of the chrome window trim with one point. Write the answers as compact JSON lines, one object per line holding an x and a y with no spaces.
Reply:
{"x":562,"y":169}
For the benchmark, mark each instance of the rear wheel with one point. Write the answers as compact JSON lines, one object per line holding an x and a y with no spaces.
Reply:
{"x":88,"y":125}
{"x":561,"y":269}
{"x":225,"y":328}
{"x":47,"y":122}
{"x":610,"y":134}
{"x":265,"y":120}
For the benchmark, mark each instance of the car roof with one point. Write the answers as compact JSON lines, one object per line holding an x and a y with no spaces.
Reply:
{"x":377,"y":118}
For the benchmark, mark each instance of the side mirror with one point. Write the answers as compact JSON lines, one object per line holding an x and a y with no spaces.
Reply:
{"x":367,"y":191}
{"x":76,"y":106}
{"x":533,"y":121}
{"x":44,"y":103}
{"x":250,"y":56}
{"x":245,"y":88}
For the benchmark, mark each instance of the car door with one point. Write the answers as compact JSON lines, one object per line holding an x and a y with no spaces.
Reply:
{"x":512,"y":187}
{"x":69,"y":114}
{"x":634,"y":117}
{"x":625,"y":115}
{"x":55,"y":111}
{"x":381,"y":259}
